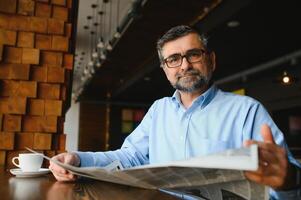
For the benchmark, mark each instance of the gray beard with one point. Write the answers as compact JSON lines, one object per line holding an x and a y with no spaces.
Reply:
{"x":191,"y":84}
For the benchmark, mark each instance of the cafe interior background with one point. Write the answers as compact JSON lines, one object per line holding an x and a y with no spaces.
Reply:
{"x":81,"y":74}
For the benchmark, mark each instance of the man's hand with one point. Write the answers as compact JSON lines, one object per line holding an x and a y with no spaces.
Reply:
{"x":60,"y":173}
{"x":274,"y":169}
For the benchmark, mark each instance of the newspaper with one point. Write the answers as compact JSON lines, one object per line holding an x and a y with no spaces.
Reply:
{"x":215,"y":176}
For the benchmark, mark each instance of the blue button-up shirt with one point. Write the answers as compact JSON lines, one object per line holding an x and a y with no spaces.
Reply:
{"x":215,"y":121}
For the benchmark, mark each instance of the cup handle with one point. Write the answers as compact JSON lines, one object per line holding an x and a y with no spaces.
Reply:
{"x":13,"y":161}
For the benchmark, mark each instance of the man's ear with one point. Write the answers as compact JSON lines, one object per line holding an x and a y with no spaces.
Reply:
{"x":213,"y":60}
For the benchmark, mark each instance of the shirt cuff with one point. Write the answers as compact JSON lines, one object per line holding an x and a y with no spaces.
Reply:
{"x":287,"y":195}
{"x":86,"y":159}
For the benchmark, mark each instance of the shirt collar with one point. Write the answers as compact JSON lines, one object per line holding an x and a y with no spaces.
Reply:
{"x":203,"y":100}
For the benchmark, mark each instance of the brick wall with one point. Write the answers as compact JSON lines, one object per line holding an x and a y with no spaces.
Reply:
{"x":36,"y":64}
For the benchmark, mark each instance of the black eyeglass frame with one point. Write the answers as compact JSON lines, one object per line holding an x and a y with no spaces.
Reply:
{"x":188,"y":53}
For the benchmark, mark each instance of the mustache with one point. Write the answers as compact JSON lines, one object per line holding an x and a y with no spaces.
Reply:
{"x":189,"y":73}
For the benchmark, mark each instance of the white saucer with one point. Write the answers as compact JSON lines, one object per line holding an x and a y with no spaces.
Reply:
{"x":19,"y":173}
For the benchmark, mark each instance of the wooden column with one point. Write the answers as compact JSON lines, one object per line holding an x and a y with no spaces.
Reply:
{"x":35,"y":58}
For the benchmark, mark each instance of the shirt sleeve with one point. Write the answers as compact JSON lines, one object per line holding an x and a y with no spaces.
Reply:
{"x":134,"y":151}
{"x":257,"y":115}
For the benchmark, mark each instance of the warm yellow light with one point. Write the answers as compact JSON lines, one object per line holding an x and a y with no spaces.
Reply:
{"x":240,"y":91}
{"x":286,"y":79}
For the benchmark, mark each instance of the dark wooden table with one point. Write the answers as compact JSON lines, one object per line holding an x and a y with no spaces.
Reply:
{"x":46,"y":187}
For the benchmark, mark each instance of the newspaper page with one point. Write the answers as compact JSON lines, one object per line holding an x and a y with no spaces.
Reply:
{"x":236,"y":190}
{"x":212,"y":173}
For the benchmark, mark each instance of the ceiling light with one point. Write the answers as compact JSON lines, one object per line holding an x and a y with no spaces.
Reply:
{"x":103,"y":56}
{"x":286,"y":79}
{"x":100,"y":44}
{"x":109,"y":47}
{"x":147,"y":78}
{"x":233,"y":24}
{"x":86,"y":70}
{"x":117,"y":34}
{"x":90,"y":64}
{"x":98,"y":64}
{"x":94,"y":55}
{"x":92,"y":70}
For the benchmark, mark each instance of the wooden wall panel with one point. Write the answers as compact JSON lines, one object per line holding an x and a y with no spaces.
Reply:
{"x":25,"y":39}
{"x":38,"y":24}
{"x":47,"y":124}
{"x":30,"y":56}
{"x":60,"y":43}
{"x":68,"y":61}
{"x":19,"y":23}
{"x":59,"y":2}
{"x":19,"y":88}
{"x":12,"y":123}
{"x":8,"y":37}
{"x":1,"y":51}
{"x":24,"y":140}
{"x":26,"y":7}
{"x":36,"y":107}
{"x":35,"y":68}
{"x":7,"y":140}
{"x":52,"y":59}
{"x":43,"y":10}
{"x":43,"y":41}
{"x":13,"y":55}
{"x":92,"y":127}
{"x":19,"y":71}
{"x":2,"y":158}
{"x":60,"y":13}
{"x":55,"y":75}
{"x":49,"y":91}
{"x":53,"y":108}
{"x":42,"y":141}
{"x":56,"y":26}
{"x":39,"y":73}
{"x":8,"y":6}
{"x":13,"y":105}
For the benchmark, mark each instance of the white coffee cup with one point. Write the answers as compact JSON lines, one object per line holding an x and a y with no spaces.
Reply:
{"x":28,"y":162}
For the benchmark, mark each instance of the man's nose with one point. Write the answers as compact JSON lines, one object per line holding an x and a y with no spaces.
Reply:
{"x":185,"y":64}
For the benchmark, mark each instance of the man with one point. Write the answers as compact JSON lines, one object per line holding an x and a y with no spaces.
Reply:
{"x":198,"y":119}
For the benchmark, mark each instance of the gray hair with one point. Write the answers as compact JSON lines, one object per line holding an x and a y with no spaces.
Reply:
{"x":175,"y":33}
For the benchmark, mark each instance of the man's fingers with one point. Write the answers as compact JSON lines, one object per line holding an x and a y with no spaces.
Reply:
{"x":63,"y":176}
{"x":268,"y":156}
{"x":266,"y":134}
{"x":253,"y":177}
{"x":55,"y":168}
{"x":248,"y":143}
{"x":261,"y":145}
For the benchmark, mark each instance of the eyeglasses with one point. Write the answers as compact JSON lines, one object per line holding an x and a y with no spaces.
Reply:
{"x":192,"y":56}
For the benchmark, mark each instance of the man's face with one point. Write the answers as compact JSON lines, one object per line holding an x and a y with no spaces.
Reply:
{"x":189,"y":77}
